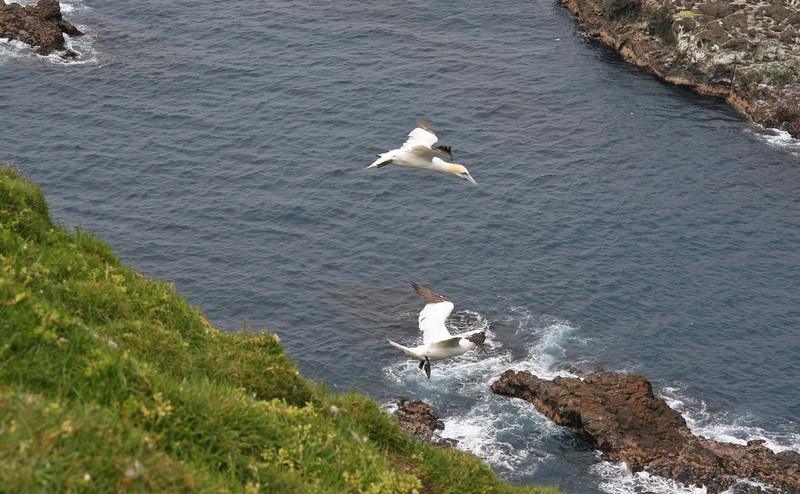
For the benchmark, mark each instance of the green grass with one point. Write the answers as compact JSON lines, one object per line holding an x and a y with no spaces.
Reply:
{"x":112,"y":382}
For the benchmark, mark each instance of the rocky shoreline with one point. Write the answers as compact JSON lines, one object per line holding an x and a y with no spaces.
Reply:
{"x":41,"y":26}
{"x":619,"y":414}
{"x":745,"y":51}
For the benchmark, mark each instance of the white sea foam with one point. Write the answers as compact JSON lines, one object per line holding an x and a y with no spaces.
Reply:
{"x":12,"y":48}
{"x":504,"y":433}
{"x":492,"y":429}
{"x":776,"y":138}
{"x":82,"y":45}
{"x":615,"y":478}
{"x":746,"y":482}
{"x":726,"y":428}
{"x":66,"y":7}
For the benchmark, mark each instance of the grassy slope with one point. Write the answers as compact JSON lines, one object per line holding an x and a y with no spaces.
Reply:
{"x":112,"y":382}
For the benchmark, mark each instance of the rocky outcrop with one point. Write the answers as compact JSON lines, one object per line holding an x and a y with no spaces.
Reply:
{"x":40,"y":26}
{"x":620,"y":415}
{"x":746,"y":51}
{"x":420,"y":420}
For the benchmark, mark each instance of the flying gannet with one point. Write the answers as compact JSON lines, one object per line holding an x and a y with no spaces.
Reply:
{"x":417,"y":152}
{"x":437,"y":342}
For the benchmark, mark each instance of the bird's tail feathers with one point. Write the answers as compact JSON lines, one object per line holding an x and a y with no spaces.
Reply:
{"x":406,"y":350}
{"x":383,"y":160}
{"x":398,"y":345}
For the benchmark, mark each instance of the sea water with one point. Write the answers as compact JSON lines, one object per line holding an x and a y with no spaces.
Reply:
{"x":619,"y":223}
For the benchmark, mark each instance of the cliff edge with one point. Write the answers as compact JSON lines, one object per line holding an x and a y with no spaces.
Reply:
{"x":746,"y":51}
{"x":112,"y":382}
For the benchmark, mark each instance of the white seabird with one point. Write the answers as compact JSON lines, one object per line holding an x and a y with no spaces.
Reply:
{"x":437,"y":342}
{"x":417,"y":152}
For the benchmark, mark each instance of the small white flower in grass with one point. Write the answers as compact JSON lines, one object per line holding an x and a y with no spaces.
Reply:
{"x":87,"y":477}
{"x":357,"y":437}
{"x":334,"y":409}
{"x":135,"y":470}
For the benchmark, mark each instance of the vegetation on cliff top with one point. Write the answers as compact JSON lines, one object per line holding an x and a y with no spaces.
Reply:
{"x":746,"y":51}
{"x":112,"y":382}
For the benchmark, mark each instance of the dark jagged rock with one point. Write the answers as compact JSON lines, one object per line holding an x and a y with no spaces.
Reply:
{"x":421,"y":421}
{"x":621,"y":416}
{"x":40,"y":26}
{"x":745,"y":51}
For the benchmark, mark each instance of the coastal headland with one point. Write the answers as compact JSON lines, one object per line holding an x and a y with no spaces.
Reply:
{"x":110,"y":381}
{"x":745,"y":51}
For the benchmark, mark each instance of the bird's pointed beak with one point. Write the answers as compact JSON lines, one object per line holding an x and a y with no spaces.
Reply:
{"x":469,"y":177}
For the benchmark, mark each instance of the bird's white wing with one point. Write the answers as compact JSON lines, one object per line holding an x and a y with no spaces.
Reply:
{"x":431,"y":321}
{"x":419,"y":137}
{"x":428,"y":154}
{"x":448,"y":344}
{"x":467,"y":333}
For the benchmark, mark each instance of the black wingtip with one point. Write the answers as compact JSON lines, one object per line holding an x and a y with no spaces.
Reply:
{"x":429,"y":296}
{"x":423,"y":124}
{"x":477,"y":338}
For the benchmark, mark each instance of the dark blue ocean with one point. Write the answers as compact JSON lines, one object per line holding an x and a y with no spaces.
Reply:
{"x":619,"y":223}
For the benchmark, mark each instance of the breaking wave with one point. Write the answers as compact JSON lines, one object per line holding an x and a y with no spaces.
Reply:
{"x":777,"y":138}
{"x":505,"y":433}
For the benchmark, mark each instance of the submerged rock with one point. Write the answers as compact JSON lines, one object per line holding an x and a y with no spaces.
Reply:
{"x":40,"y":26}
{"x":621,"y":416}
{"x":420,"y":420}
{"x":746,"y":51}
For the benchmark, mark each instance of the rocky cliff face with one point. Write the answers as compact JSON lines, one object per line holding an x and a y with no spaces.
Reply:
{"x":746,"y":51}
{"x":621,"y":416}
{"x":40,"y":26}
{"x":419,"y":420}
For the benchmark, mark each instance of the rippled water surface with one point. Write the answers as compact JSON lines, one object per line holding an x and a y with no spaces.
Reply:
{"x":619,"y":223}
